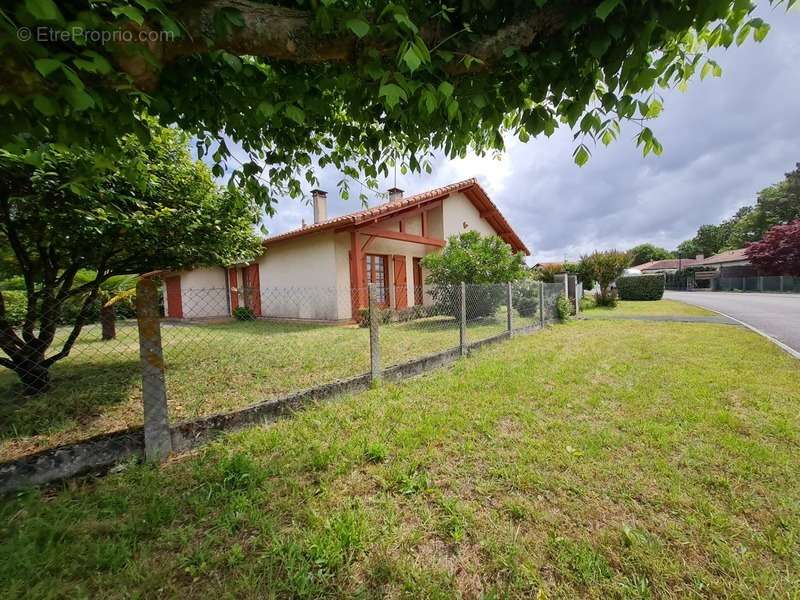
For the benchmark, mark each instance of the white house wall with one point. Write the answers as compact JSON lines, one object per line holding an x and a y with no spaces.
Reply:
{"x":203,"y":293}
{"x":299,"y":279}
{"x":458,"y":210}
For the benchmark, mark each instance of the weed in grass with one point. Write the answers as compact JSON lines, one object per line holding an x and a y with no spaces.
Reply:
{"x":376,"y":452}
{"x":579,"y":560}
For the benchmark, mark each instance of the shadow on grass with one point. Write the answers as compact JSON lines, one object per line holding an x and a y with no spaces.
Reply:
{"x":78,"y":392}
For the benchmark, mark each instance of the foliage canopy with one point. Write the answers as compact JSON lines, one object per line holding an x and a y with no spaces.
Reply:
{"x":359,"y":85}
{"x":57,"y":222}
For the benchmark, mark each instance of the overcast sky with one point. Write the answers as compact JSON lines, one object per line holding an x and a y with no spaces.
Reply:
{"x":724,"y":139}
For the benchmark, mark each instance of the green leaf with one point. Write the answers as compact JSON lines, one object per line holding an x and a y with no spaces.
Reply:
{"x":43,"y":10}
{"x":411,"y":59}
{"x":581,"y":155}
{"x":79,"y":99}
{"x":761,"y":32}
{"x":265,"y":108}
{"x":446,"y":88}
{"x":46,"y":66}
{"x":232,"y":61}
{"x":606,"y":8}
{"x":295,"y":113}
{"x":393,"y":93}
{"x":403,"y":19}
{"x":131,"y":12}
{"x":358,"y":26}
{"x":599,"y":45}
{"x":45,"y":106}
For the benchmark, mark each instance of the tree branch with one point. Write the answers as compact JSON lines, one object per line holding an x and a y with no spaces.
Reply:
{"x":286,"y":34}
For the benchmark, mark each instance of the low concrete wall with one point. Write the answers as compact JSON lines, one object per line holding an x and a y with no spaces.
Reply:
{"x":97,"y":455}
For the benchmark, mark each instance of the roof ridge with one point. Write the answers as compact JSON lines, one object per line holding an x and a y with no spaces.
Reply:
{"x":378,"y":208}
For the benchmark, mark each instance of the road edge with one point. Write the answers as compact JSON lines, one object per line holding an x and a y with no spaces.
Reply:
{"x":788,"y":349}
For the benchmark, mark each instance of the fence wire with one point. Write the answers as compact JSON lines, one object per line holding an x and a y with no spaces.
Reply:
{"x":224,"y":349}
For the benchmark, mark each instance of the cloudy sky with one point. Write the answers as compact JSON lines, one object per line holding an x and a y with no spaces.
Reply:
{"x":724,"y":139}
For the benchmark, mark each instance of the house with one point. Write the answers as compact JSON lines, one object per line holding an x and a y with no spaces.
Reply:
{"x":320,"y":271}
{"x":731,"y":263}
{"x":670,"y":265}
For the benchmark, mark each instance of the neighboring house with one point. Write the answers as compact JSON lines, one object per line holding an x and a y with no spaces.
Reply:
{"x":670,"y":265}
{"x":731,"y":263}
{"x":320,"y":271}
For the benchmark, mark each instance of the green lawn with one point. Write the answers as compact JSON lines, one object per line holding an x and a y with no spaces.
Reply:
{"x":210,"y":368}
{"x":594,"y":459}
{"x":653,"y":308}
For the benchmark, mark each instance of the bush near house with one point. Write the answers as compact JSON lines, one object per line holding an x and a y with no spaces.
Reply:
{"x":525,"y":297}
{"x":641,"y":287}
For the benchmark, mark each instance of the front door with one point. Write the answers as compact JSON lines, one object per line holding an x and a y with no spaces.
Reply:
{"x":400,"y":283}
{"x":174,"y":299}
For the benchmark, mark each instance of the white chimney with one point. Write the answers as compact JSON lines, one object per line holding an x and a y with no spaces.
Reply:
{"x":699,"y":258}
{"x":320,"y":200}
{"x":395,"y":194}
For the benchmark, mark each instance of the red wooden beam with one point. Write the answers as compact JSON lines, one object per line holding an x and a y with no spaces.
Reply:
{"x":402,"y":236}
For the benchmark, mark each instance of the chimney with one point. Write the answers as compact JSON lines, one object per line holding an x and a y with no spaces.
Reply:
{"x":395,"y":194}
{"x":320,"y":200}
{"x":699,"y":258}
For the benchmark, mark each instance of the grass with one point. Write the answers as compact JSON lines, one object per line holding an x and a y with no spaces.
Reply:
{"x":596,"y":459}
{"x":653,"y":308}
{"x":211,"y":367}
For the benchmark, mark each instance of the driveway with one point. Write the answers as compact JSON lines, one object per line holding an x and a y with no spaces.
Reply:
{"x":777,"y":315}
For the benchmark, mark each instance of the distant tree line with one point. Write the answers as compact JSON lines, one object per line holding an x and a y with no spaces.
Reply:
{"x":778,"y":204}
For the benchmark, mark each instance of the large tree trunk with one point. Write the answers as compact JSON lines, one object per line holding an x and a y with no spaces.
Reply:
{"x":108,"y":322}
{"x":32,"y":372}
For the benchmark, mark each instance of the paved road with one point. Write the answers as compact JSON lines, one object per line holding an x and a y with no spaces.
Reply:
{"x":777,"y":315}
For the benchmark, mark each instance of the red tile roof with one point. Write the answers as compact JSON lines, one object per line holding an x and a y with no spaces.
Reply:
{"x":469,"y":187}
{"x":671,"y":263}
{"x":728,"y":256}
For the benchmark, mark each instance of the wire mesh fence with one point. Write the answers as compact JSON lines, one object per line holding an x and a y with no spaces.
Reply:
{"x":77,"y":371}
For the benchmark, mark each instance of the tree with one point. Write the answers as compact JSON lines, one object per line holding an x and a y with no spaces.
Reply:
{"x":644,"y":253}
{"x":360,"y":85}
{"x":56,"y":227}
{"x":779,"y":252}
{"x":473,"y":259}
{"x":604,"y":267}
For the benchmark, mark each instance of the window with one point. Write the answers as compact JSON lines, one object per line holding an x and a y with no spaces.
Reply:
{"x":375,"y":272}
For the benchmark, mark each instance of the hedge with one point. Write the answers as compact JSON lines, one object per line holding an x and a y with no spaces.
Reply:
{"x":641,"y":287}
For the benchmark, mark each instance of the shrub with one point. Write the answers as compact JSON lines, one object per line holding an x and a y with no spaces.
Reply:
{"x":641,"y":287}
{"x":385,"y":315}
{"x":587,"y":302}
{"x":563,"y":308}
{"x":243,"y":313}
{"x":609,"y":299}
{"x":16,"y":305}
{"x":525,"y":297}
{"x":604,"y":268}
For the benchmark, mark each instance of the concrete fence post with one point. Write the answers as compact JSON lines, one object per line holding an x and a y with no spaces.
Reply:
{"x":462,"y":329}
{"x":374,"y":339}
{"x":541,"y":304}
{"x":781,"y":282}
{"x":157,"y":441}
{"x":760,"y":283}
{"x":508,"y":307}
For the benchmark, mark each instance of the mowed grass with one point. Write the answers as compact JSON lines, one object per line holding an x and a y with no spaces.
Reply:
{"x":596,"y":459}
{"x":651,"y":308}
{"x":211,"y":367}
